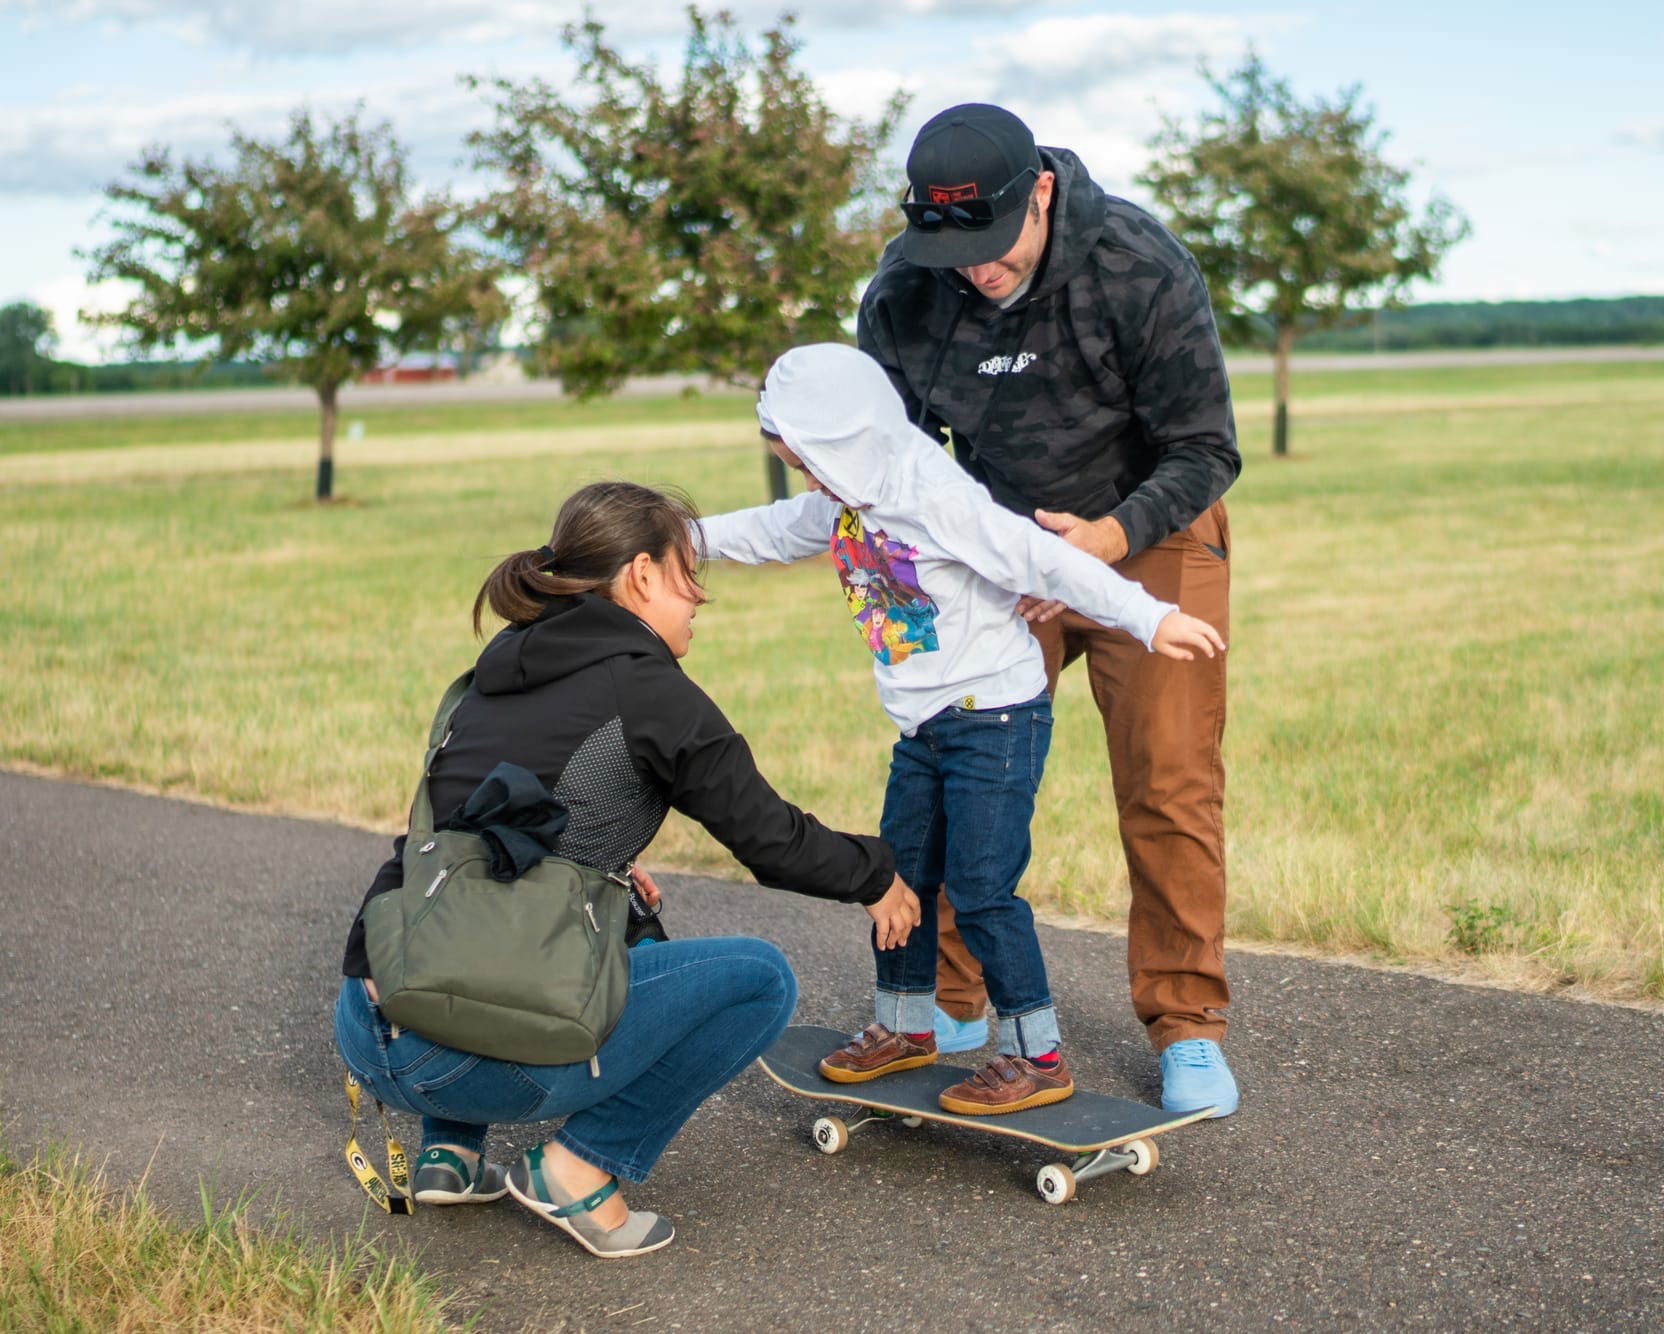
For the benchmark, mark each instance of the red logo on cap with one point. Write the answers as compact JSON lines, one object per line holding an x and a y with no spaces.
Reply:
{"x":950,"y":194}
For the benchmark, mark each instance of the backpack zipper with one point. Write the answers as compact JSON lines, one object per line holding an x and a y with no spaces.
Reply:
{"x":438,"y":880}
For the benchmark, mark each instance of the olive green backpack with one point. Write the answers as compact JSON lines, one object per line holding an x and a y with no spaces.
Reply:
{"x":533,"y":970}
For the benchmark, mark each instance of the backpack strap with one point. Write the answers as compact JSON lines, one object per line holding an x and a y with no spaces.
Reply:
{"x":394,"y":1195}
{"x":421,"y":808}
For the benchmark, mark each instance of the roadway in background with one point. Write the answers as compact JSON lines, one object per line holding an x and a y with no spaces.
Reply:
{"x":169,"y":402}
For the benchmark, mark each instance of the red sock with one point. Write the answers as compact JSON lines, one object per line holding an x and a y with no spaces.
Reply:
{"x":917,"y":1037}
{"x":1047,"y":1062}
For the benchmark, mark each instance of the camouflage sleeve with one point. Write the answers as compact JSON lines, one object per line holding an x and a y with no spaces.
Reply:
{"x":875,"y":337}
{"x":1182,"y":400}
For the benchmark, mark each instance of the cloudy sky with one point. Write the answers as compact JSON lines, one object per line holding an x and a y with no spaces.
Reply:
{"x":1543,"y":122}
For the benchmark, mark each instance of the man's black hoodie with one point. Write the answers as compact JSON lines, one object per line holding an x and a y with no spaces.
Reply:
{"x":1101,"y":391}
{"x":589,"y":698}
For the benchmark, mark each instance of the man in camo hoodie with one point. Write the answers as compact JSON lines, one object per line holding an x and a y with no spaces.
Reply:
{"x":1062,"y":338}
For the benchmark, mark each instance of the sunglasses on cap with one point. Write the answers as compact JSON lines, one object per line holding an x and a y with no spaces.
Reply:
{"x":969,"y":215}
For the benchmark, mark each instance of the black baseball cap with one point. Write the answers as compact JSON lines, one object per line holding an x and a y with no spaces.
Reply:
{"x":970,"y":172}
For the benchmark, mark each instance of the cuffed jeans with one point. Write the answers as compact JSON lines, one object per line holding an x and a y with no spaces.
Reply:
{"x":957,"y":812}
{"x":1163,"y":722}
{"x":699,"y":1012}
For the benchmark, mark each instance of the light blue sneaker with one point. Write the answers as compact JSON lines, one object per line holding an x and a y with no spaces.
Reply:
{"x":1194,"y":1074}
{"x":959,"y":1034}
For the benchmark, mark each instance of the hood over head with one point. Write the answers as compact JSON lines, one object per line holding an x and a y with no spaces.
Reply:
{"x":837,"y":410}
{"x":570,"y":634}
{"x":1078,"y":216}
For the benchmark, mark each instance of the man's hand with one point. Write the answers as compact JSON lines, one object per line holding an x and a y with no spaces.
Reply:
{"x":895,"y":915}
{"x":1178,"y":634}
{"x":1103,"y":538}
{"x":647,"y":885}
{"x":1031,"y":608}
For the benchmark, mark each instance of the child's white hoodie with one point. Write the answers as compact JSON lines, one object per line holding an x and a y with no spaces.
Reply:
{"x":932,"y":567}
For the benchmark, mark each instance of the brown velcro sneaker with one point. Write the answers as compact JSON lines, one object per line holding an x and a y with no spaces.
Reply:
{"x":876,"y":1051}
{"x":1007,"y":1084}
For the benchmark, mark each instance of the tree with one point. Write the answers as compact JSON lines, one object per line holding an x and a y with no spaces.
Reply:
{"x":311,"y":254}
{"x":26,"y":343}
{"x":1296,"y":220}
{"x":702,"y":227}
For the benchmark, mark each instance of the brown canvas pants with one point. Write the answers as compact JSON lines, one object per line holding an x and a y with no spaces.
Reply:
{"x":1163,"y":721}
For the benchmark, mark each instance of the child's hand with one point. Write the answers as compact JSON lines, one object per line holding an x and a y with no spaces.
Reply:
{"x":1178,"y":634}
{"x":895,"y":915}
{"x":647,"y":885}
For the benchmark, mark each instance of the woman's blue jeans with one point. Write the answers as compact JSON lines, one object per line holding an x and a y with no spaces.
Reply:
{"x":957,"y":812}
{"x":699,"y":1012}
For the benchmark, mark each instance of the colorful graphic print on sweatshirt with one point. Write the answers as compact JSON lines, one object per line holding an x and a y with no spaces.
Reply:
{"x":892,"y":613}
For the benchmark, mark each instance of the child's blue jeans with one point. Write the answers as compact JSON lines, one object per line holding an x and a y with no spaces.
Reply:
{"x":956,"y":812}
{"x":699,"y":1012}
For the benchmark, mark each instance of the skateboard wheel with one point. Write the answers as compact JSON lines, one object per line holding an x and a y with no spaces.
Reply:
{"x":1056,"y":1183}
{"x":831,"y":1135}
{"x":1145,"y":1156}
{"x":912,"y":1122}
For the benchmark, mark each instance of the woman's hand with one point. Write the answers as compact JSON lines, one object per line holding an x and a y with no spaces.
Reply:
{"x":895,"y":915}
{"x":1178,"y":634}
{"x":648,"y":886}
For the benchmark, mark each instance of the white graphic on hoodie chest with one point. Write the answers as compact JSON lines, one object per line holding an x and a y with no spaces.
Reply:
{"x":1006,"y":365}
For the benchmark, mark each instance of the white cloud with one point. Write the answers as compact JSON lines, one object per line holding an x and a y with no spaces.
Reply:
{"x":1056,"y":59}
{"x":65,"y":297}
{"x":317,"y":27}
{"x":860,"y":93}
{"x":1647,"y":137}
{"x":333,"y":27}
{"x":75,"y":148}
{"x":1096,"y":83}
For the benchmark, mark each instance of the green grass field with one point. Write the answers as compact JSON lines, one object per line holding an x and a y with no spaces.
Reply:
{"x":82,"y":1255}
{"x":1447,"y":652}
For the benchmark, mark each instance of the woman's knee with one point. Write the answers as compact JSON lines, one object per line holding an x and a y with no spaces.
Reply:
{"x":775,"y":979}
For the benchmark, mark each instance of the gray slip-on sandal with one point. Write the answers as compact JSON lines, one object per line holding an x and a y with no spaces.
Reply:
{"x":639,"y":1233}
{"x":446,"y":1177}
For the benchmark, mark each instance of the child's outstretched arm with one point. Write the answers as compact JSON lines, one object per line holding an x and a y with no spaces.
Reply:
{"x":787,"y":530}
{"x":1026,"y":560}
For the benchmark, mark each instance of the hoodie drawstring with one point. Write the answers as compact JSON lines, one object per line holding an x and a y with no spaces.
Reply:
{"x":936,"y":365}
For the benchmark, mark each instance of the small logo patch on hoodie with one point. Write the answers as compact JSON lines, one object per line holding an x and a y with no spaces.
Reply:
{"x":1006,"y":365}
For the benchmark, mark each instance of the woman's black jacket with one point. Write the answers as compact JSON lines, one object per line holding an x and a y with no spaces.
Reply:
{"x":589,"y":698}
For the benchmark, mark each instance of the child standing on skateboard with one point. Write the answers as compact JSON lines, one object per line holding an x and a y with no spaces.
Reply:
{"x":932,"y":569}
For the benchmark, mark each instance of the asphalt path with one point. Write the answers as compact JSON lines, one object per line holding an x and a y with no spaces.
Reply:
{"x":1409,"y":1153}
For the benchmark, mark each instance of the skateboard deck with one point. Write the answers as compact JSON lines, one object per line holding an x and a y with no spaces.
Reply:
{"x":1105,"y":1133}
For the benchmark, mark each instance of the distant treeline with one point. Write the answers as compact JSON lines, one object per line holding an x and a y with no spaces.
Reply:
{"x":1634,"y":319}
{"x":122,"y":377}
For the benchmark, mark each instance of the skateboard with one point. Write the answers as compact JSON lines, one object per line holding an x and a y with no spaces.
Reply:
{"x":1105,"y":1134}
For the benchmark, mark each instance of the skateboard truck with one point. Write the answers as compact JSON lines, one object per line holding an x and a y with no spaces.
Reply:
{"x":1056,"y":1182}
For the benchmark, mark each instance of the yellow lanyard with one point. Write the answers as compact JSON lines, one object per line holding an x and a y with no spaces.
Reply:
{"x":398,"y":1200}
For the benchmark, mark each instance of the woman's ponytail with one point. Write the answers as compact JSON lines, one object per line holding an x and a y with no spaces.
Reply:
{"x":599,"y":530}
{"x":518,"y":589}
